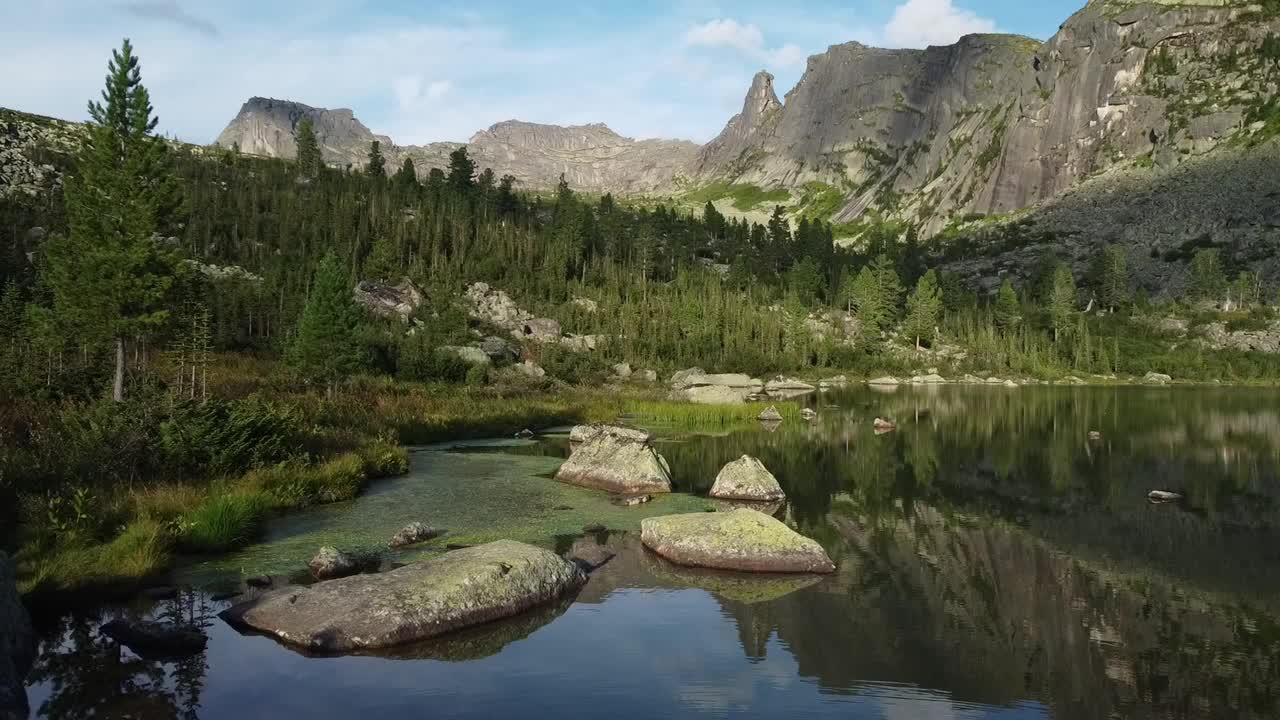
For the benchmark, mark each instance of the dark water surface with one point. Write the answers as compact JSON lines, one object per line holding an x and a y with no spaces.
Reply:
{"x":993,"y":563}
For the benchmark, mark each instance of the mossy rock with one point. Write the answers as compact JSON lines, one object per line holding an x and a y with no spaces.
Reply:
{"x":743,"y":540}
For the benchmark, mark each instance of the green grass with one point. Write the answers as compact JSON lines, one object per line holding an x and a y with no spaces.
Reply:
{"x":745,"y":197}
{"x":53,"y":565}
{"x":223,"y":522}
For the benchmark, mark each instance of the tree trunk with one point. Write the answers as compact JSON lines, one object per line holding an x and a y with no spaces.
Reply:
{"x":117,"y":390}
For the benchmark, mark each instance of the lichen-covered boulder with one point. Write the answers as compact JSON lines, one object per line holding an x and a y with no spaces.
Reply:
{"x":615,"y":458}
{"x":17,"y":646}
{"x":417,"y":532}
{"x":330,"y":563}
{"x":771,"y":414}
{"x":747,"y":479}
{"x":452,"y":591}
{"x":744,"y":540}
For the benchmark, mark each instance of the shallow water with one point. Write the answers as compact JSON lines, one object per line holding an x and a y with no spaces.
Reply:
{"x":994,"y":562}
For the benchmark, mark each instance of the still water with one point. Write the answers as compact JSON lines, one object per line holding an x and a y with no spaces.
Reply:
{"x":994,"y":562}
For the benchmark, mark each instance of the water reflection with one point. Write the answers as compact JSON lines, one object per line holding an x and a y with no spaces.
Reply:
{"x":994,"y":561}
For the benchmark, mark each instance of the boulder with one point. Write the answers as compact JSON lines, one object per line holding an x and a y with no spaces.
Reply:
{"x":617,"y":459}
{"x":416,"y":602}
{"x":525,"y":434}
{"x":783,"y":388}
{"x":743,"y":539}
{"x":541,"y":330}
{"x":885,"y":381}
{"x":156,"y":640}
{"x":17,"y":645}
{"x":747,"y":479}
{"x":680,"y":380}
{"x":1155,"y":378}
{"x":646,"y":376}
{"x":531,"y":369}
{"x":1011,"y":383}
{"x":399,"y":301}
{"x":715,"y":395}
{"x":412,"y":534}
{"x":330,"y":563}
{"x":498,"y":349}
{"x":1095,"y":435}
{"x":622,"y":370}
{"x":469,"y":355}
{"x":770,"y":415}
{"x":809,"y":414}
{"x":1163,"y":496}
{"x":933,"y":379}
{"x":882,"y":425}
{"x":631,"y":500}
{"x":586,"y":305}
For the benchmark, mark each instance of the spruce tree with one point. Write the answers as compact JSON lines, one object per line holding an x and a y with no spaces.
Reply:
{"x":888,"y":285}
{"x":111,"y":277}
{"x":1008,"y":311}
{"x":308,"y":149}
{"x":377,"y":165}
{"x":924,"y":308}
{"x":462,"y":170}
{"x":406,"y":178}
{"x":326,"y":346}
{"x":1063,"y":299}
{"x":1115,"y":278}
{"x":867,"y":301}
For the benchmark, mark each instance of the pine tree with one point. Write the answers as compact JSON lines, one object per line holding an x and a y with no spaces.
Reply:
{"x":924,"y":308}
{"x":377,"y":165}
{"x":1008,"y":311}
{"x":462,"y":170}
{"x":1063,"y":299}
{"x":888,"y":284}
{"x":308,"y":149}
{"x":326,"y":346}
{"x":1114,"y":290}
{"x":111,"y":277}
{"x":867,"y":301}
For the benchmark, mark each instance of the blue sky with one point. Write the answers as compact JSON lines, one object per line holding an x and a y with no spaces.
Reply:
{"x":424,"y":71}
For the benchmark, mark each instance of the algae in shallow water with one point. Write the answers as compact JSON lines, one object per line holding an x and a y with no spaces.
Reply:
{"x":475,"y":497}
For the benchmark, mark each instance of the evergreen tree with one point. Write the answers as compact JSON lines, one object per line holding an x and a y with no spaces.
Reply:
{"x":309,"y":163}
{"x":377,"y":165}
{"x":888,"y":285}
{"x":326,"y":346}
{"x":1114,"y":290}
{"x":867,"y":301}
{"x":406,"y":178}
{"x":111,"y":277}
{"x":924,"y":308}
{"x":1208,"y":279}
{"x":1063,"y":299}
{"x":1008,"y":311}
{"x":462,"y":170}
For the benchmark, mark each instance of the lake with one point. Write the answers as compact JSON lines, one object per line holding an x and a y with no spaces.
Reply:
{"x":994,"y":561}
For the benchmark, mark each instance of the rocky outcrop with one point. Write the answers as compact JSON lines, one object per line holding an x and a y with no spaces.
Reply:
{"x":17,"y":646}
{"x":398,"y":301}
{"x":743,"y":540}
{"x":697,"y":386}
{"x":747,"y":479}
{"x":416,"y":602}
{"x":156,"y":640}
{"x":615,"y":458}
{"x":590,"y":157}
{"x":783,"y":388}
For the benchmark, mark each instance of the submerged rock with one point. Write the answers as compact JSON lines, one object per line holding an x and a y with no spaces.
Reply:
{"x":588,"y":554}
{"x":770,"y":415}
{"x":416,"y":602}
{"x":615,"y":458}
{"x":330,"y":563}
{"x":744,"y":540}
{"x":414,"y":533}
{"x":17,"y":646}
{"x":747,"y":479}
{"x":632,"y":500}
{"x":151,"y":639}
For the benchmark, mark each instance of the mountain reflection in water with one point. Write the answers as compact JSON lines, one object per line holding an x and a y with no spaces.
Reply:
{"x":993,"y":561}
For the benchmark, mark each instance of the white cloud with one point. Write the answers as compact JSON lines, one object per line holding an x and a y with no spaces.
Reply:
{"x":438,"y":89}
{"x":917,"y":23}
{"x":746,"y":39}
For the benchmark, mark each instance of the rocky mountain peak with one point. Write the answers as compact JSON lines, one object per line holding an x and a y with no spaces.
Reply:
{"x":761,"y":98}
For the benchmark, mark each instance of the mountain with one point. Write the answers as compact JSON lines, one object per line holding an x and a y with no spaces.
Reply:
{"x":591,"y":157}
{"x":996,"y":124}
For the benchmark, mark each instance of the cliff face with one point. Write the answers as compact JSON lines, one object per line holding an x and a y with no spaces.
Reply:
{"x":995,"y":124}
{"x":591,"y":157}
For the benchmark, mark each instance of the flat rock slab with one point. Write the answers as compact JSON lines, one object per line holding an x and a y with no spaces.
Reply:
{"x":744,"y":540}
{"x":747,"y":479}
{"x":416,"y":602}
